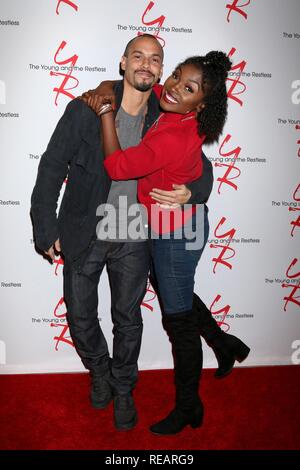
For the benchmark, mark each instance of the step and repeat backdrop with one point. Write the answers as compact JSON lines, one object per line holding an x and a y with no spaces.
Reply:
{"x":53,"y":50}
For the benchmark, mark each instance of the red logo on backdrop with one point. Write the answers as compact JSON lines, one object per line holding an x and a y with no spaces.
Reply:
{"x":236,"y":82}
{"x":237,"y":87}
{"x":64,"y":336}
{"x":149,"y":297}
{"x":158,"y":21}
{"x":63,"y":89}
{"x":224,"y":247}
{"x":238,"y":8}
{"x":295,"y":223}
{"x":292,"y":297}
{"x":223,"y":311}
{"x":298,"y":141}
{"x":232,"y":172}
{"x":226,"y":179}
{"x":58,"y":262}
{"x":67,"y":2}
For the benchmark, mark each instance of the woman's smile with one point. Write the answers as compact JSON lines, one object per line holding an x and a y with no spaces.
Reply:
{"x":169,"y":98}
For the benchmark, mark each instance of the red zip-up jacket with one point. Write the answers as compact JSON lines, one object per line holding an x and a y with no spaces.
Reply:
{"x":169,"y":153}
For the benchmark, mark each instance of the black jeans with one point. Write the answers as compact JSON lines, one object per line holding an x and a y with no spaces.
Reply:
{"x":127,"y":266}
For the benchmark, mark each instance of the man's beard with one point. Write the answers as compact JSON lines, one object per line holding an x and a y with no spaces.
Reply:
{"x":143,"y":86}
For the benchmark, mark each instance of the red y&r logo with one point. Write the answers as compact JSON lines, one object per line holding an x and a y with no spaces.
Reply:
{"x":298,"y":141}
{"x":230,"y":167}
{"x":64,"y":336}
{"x":223,"y":311}
{"x":237,"y":8}
{"x":236,"y":81}
{"x":72,"y":60}
{"x":292,"y":298}
{"x":158,"y":21}
{"x":228,"y":236}
{"x":68,"y":2}
{"x":295,"y":223}
{"x":58,"y":262}
{"x":146,"y":301}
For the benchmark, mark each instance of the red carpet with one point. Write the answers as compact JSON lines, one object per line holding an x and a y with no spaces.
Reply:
{"x":255,"y":408}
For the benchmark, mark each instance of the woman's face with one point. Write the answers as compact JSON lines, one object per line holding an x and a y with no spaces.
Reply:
{"x":182,"y":91}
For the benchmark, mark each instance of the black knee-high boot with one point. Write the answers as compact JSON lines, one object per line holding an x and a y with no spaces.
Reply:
{"x":187,"y":351}
{"x":227,"y":348}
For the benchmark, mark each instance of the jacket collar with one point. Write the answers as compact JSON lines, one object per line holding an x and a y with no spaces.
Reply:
{"x":176,"y":117}
{"x":119,"y":90}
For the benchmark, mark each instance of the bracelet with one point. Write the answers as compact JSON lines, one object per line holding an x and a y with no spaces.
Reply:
{"x":105,"y":108}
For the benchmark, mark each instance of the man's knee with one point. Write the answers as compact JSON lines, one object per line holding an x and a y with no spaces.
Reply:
{"x":131,"y":330}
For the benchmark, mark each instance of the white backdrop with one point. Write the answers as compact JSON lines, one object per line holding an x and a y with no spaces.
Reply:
{"x":250,"y":271}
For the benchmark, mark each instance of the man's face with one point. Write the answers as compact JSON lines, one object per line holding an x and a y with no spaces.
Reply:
{"x":143,"y":65}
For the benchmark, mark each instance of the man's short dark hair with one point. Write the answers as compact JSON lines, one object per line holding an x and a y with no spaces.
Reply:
{"x":142,"y":36}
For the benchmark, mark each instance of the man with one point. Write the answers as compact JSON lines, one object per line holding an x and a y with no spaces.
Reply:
{"x":75,"y":151}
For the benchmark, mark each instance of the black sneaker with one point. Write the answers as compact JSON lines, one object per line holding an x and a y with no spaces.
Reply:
{"x":124,"y":412}
{"x":101,"y":392}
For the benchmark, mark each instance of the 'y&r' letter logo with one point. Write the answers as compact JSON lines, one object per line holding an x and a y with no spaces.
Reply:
{"x":72,"y":60}
{"x":228,"y":236}
{"x":236,"y":81}
{"x":292,"y":297}
{"x":222,"y":311}
{"x":64,"y":336}
{"x":295,"y":223}
{"x":68,"y":2}
{"x":158,"y":21}
{"x":230,"y":167}
{"x":237,"y":8}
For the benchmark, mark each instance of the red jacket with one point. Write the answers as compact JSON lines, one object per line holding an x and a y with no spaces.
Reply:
{"x":169,"y":153}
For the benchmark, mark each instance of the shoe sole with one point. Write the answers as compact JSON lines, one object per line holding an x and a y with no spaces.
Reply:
{"x":126,"y":427}
{"x":193,"y":426}
{"x":102,"y":406}
{"x":240,"y":358}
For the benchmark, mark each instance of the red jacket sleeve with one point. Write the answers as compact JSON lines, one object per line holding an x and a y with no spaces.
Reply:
{"x":158,"y":90}
{"x":149,"y":156}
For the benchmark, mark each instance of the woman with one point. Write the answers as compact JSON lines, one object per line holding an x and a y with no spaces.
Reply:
{"x":194,"y":104}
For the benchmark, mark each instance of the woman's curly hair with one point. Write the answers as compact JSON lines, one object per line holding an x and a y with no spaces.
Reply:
{"x":214,"y":67}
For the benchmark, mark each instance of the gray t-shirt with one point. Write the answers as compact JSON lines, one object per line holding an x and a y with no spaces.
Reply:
{"x":123,"y":194}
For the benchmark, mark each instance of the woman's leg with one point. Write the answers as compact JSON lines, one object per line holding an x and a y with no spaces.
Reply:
{"x":227,"y":348}
{"x":187,"y":352}
{"x":174,"y":268}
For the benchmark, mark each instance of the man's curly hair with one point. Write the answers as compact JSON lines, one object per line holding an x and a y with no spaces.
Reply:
{"x":214,"y":67}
